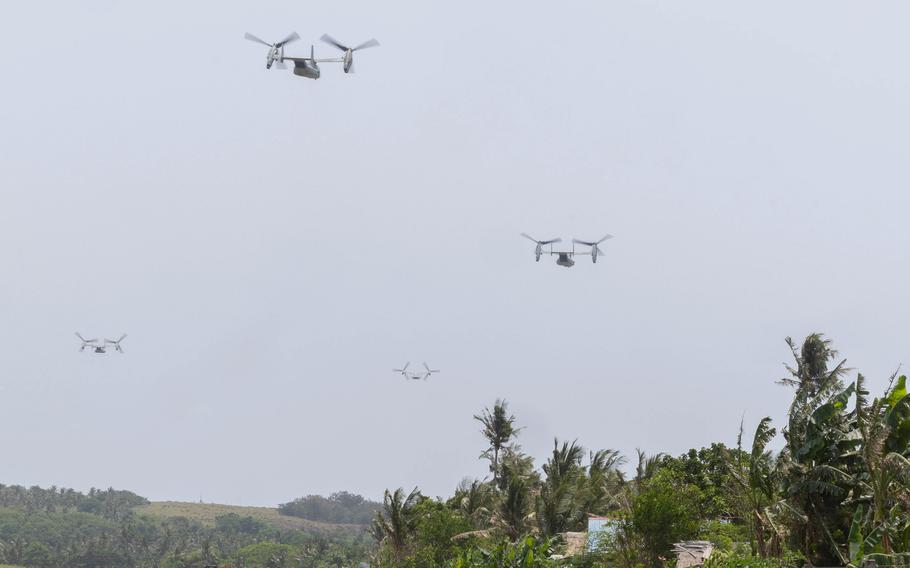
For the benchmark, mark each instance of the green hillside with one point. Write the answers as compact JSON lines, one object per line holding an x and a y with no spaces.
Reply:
{"x":207,"y":513}
{"x":63,"y":528}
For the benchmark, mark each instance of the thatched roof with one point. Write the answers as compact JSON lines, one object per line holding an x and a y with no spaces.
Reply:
{"x":692,"y":552}
{"x":484,"y":533}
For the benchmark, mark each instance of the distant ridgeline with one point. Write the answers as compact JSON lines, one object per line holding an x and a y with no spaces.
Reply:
{"x":58,"y":527}
{"x":338,"y":508}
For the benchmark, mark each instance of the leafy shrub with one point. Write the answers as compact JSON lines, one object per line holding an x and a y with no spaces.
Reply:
{"x":723,"y":535}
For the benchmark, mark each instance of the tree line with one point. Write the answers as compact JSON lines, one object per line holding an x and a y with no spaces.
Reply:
{"x":64,"y":528}
{"x":836,"y":494}
{"x":340,"y":508}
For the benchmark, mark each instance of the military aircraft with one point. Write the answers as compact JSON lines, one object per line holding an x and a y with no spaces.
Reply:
{"x":308,"y":66}
{"x":100,"y":346}
{"x":566,"y":256}
{"x":415,"y":375}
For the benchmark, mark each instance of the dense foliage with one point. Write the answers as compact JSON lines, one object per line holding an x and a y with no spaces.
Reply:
{"x":63,"y":528}
{"x":341,"y":507}
{"x":836,"y":494}
{"x":110,"y":503}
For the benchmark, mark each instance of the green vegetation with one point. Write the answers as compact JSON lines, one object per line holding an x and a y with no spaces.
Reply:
{"x":836,"y":494}
{"x":207,"y":515}
{"x":341,"y":507}
{"x":62,"y":528}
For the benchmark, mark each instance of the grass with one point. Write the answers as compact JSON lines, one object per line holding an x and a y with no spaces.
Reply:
{"x":206,"y":513}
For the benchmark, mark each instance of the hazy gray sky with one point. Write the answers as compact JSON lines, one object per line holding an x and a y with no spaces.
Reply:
{"x":274,"y":246}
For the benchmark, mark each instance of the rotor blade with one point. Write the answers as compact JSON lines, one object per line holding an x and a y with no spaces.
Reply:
{"x":120,"y":349}
{"x":332,"y":41}
{"x":599,"y":252}
{"x":605,"y":238}
{"x":529,"y":237}
{"x":251,"y":37}
{"x":427,"y":367}
{"x":406,"y":366}
{"x":551,"y":241}
{"x":367,"y":44}
{"x":580,"y":242}
{"x":122,"y":337}
{"x":80,"y":336}
{"x":292,"y":37}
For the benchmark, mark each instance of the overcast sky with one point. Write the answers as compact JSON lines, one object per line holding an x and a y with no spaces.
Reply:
{"x":274,"y":245}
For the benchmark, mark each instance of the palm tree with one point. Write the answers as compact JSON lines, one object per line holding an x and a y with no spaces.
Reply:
{"x":557,"y":506}
{"x":757,"y":485}
{"x":396,"y":522}
{"x":498,"y":428}
{"x":811,"y":376}
{"x":646,"y":468}
{"x":512,"y":515}
{"x":473,"y":499}
{"x":815,"y":464}
{"x":604,"y":481}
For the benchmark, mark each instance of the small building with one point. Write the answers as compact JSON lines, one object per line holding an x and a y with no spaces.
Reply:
{"x":598,"y":529}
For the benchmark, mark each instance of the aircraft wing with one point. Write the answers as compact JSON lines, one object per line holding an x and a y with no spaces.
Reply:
{"x":565,"y":252}
{"x":302,"y":59}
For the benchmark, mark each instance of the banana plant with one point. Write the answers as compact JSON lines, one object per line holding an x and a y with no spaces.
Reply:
{"x":881,"y":426}
{"x":897,"y":417}
{"x":816,"y":468}
{"x":527,"y":553}
{"x":857,"y":543}
{"x":864,"y":548}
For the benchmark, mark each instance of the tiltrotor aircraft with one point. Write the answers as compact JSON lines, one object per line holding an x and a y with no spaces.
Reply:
{"x":415,"y":375}
{"x":566,"y":256}
{"x":100,"y":346}
{"x":309,"y":66}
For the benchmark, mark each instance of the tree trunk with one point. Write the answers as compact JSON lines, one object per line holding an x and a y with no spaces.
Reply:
{"x":760,"y":535}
